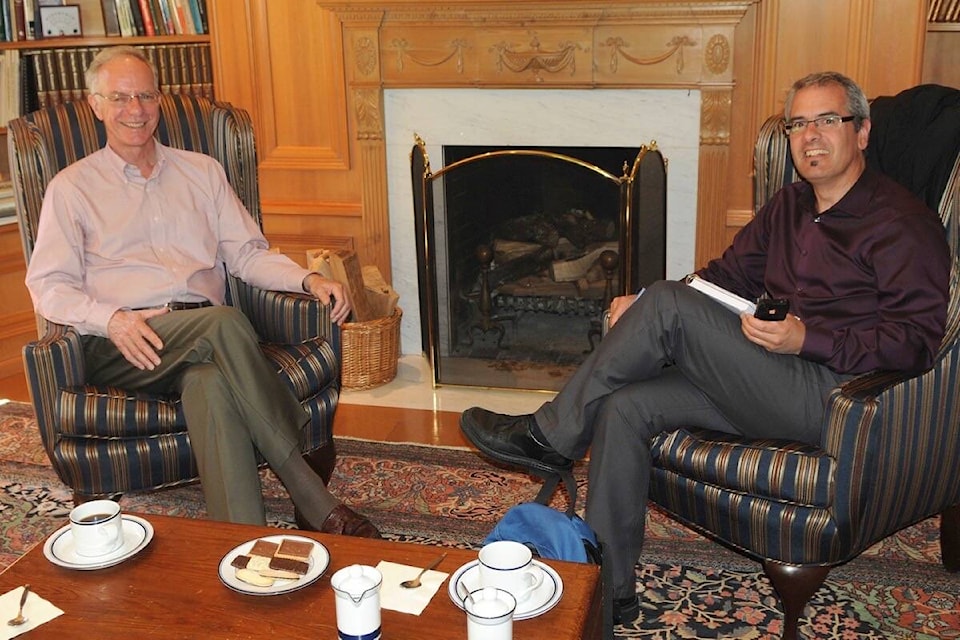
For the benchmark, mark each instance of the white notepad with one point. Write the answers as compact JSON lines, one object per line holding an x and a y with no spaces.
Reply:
{"x":728,"y":299}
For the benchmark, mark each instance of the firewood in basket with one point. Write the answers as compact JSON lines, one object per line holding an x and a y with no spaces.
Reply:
{"x":345,"y":267}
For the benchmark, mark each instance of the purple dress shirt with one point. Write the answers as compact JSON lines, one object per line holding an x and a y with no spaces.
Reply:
{"x":869,"y":277}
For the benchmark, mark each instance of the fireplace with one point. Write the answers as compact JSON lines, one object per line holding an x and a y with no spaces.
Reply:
{"x":520,"y":251}
{"x":532,"y":118}
{"x":532,"y":73}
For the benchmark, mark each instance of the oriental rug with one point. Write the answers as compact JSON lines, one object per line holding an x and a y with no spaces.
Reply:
{"x":690,"y":586}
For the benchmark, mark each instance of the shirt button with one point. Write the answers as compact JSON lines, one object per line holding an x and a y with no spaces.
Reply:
{"x":817,"y":219}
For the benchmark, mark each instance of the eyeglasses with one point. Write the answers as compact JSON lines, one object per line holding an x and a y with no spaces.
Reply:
{"x":794,"y":127}
{"x":145,"y":97}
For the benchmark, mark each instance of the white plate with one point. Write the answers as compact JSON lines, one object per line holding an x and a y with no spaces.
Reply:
{"x":544,"y":597}
{"x":319,"y":561}
{"x":59,"y":547}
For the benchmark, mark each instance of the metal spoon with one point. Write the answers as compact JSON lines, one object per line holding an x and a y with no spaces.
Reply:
{"x":414,"y":583}
{"x":465,"y":594}
{"x":19,"y":620}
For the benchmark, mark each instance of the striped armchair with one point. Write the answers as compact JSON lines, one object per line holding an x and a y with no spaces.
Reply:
{"x":107,"y":441}
{"x":891,"y":444}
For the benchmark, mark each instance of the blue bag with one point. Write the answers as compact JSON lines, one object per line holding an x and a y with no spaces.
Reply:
{"x":548,"y":533}
{"x":555,"y":535}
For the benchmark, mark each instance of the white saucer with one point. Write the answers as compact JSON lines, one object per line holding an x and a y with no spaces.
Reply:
{"x":544,"y":597}
{"x":319,"y":561}
{"x":59,"y":548}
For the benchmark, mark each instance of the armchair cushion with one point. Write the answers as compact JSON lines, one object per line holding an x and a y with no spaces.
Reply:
{"x":109,"y":412}
{"x":779,"y":470}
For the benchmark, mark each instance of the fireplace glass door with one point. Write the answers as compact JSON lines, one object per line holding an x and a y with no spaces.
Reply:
{"x":521,"y":250}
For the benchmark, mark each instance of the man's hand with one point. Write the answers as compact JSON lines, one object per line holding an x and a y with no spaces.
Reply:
{"x":618,"y":305}
{"x":779,"y":336}
{"x":324,"y":290}
{"x":135,"y":339}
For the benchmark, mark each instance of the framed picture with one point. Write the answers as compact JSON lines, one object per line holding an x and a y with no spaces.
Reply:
{"x":60,"y":21}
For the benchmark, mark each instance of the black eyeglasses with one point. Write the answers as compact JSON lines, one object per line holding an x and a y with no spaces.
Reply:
{"x":794,"y":127}
{"x":145,"y":97}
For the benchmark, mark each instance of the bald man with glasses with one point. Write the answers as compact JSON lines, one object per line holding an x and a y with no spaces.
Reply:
{"x":131,"y":249}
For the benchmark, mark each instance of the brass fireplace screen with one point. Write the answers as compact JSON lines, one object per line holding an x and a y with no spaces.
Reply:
{"x":519,"y":252}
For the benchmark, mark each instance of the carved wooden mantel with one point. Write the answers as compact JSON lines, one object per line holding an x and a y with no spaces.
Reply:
{"x":536,"y":44}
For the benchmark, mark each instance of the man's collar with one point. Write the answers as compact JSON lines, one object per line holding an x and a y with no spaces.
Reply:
{"x":118,"y":163}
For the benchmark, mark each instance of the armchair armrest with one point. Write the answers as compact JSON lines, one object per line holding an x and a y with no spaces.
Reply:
{"x":286,"y":318}
{"x":52,"y":363}
{"x":893,"y":436}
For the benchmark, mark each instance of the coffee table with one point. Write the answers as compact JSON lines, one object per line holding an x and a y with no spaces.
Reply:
{"x":171,"y":589}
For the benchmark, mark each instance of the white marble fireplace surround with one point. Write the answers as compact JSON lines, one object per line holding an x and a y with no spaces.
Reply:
{"x":533,"y":118}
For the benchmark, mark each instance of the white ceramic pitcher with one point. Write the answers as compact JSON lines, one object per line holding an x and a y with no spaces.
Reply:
{"x":357,"y":590}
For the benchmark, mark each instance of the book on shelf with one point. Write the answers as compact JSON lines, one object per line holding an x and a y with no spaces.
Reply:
{"x":111,"y":21}
{"x":146,"y":18}
{"x":167,"y":18}
{"x":30,"y":19}
{"x":10,"y":81}
{"x":134,"y":6}
{"x":199,"y":22}
{"x":19,"y":20}
{"x":202,"y":12}
{"x":157,"y":17}
{"x":125,"y":18}
{"x":56,"y":75}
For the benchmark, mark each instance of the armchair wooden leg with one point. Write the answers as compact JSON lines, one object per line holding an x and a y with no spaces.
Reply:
{"x":950,"y":538}
{"x":795,"y":584}
{"x":322,"y":460}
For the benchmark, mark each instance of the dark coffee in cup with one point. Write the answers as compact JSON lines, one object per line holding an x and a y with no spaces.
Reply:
{"x":95,"y":517}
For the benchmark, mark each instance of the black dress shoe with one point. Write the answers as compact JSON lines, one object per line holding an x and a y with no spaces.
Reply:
{"x":342,"y":521}
{"x":626,"y":609}
{"x":509,"y":439}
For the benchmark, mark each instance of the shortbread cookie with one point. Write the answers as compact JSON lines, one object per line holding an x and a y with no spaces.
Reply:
{"x":252,"y":577}
{"x":294,"y":549}
{"x":258,"y":563}
{"x":279,"y":573}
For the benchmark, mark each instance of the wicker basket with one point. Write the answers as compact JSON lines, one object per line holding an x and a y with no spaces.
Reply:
{"x":370,"y":352}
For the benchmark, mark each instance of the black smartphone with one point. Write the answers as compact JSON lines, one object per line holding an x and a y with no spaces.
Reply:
{"x":772,"y":308}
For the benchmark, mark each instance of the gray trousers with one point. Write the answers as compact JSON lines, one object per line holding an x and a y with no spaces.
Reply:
{"x":233,"y":401}
{"x":675,"y":358}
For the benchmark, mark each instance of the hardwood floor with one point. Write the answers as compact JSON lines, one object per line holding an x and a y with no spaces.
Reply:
{"x":388,"y":424}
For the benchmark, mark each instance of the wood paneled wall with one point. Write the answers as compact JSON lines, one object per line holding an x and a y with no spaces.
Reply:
{"x":284,"y":61}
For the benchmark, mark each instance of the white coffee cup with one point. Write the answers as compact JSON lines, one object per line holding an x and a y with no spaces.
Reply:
{"x":490,"y":614}
{"x":97,"y":528}
{"x":509,"y":566}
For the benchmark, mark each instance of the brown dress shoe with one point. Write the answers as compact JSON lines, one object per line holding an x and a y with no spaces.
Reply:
{"x":342,"y":521}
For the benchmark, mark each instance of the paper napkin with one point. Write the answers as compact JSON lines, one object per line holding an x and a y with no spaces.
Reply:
{"x":36,"y":610}
{"x":396,"y":598}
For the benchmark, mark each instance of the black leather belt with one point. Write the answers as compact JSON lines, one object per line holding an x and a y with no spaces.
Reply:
{"x":183,"y":306}
{"x":179,"y":306}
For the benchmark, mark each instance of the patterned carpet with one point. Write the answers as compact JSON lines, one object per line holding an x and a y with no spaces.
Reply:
{"x":691,"y":587}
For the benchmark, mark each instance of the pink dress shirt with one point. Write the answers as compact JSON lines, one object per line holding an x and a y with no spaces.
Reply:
{"x":110,"y":239}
